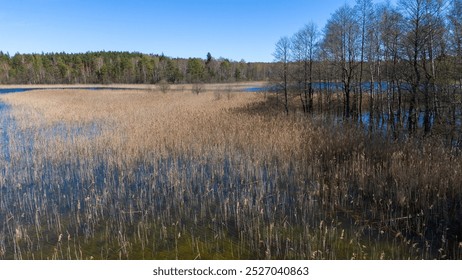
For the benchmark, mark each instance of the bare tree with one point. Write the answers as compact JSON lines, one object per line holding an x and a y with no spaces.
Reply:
{"x":413,"y":44}
{"x":282,"y":56}
{"x":341,"y":43}
{"x":304,"y":47}
{"x":389,"y":25}
{"x":197,"y":88}
{"x":388,"y":29}
{"x":366,"y":19}
{"x":164,"y":86}
{"x":422,"y":23}
{"x":455,"y":29}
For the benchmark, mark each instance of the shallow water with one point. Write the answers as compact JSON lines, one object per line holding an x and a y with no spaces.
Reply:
{"x":13,"y":90}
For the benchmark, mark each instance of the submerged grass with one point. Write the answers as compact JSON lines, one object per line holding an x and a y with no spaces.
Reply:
{"x":142,"y":174}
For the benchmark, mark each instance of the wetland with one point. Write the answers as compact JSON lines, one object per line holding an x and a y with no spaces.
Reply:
{"x":139,"y":173}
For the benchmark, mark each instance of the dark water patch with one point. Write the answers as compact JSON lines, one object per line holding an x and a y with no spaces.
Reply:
{"x":257,"y":89}
{"x":375,"y":87}
{"x":395,"y":126}
{"x":15,"y":90}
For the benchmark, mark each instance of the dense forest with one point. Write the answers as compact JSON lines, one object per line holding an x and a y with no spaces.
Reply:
{"x":123,"y":67}
{"x":398,"y":64}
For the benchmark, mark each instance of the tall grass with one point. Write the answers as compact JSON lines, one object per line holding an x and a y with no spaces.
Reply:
{"x":143,"y":174}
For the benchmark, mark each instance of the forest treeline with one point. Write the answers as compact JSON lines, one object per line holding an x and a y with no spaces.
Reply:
{"x":399,"y":63}
{"x":123,"y":67}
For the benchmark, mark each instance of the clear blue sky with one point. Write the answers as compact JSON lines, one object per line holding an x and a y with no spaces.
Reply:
{"x":235,"y":29}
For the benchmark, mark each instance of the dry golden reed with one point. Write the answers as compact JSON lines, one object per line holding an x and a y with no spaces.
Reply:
{"x":148,"y":174}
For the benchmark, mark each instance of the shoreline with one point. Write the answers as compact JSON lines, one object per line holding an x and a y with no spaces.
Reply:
{"x":129,"y":86}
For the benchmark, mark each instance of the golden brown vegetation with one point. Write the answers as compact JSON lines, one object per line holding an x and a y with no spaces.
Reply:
{"x":142,"y":174}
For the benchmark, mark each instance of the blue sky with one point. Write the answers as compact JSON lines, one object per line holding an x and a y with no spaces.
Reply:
{"x":235,"y":29}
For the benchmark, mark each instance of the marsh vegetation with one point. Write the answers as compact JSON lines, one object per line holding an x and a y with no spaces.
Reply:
{"x":143,"y":174}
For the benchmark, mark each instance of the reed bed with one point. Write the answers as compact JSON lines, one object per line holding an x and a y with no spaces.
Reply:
{"x":143,"y":174}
